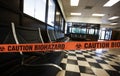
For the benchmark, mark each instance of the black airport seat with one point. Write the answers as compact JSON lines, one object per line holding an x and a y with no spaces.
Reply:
{"x":60,"y":37}
{"x":51,"y":36}
{"x":26,"y":64}
{"x":32,"y":35}
{"x":8,"y":61}
{"x":56,"y":37}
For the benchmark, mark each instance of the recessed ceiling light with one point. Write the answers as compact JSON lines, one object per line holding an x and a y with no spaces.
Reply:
{"x":75,"y":14}
{"x":110,"y":3}
{"x":57,"y":13}
{"x":114,"y":17}
{"x":74,"y":2}
{"x":98,"y":14}
{"x":113,"y":23}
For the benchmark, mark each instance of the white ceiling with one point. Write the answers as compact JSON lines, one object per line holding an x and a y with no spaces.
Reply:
{"x":97,"y":7}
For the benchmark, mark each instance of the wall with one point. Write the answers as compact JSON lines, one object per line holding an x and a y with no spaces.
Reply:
{"x":115,"y":35}
{"x":9,"y":12}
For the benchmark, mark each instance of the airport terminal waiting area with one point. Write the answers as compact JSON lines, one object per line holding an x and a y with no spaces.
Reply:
{"x":61,"y":63}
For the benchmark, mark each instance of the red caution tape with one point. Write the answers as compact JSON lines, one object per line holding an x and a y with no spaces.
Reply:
{"x":59,"y":46}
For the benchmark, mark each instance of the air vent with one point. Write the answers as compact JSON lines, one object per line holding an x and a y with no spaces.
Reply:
{"x":88,"y":7}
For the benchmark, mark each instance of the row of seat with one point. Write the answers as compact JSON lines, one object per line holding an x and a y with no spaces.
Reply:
{"x":32,"y":63}
{"x":83,"y":37}
{"x":56,"y":36}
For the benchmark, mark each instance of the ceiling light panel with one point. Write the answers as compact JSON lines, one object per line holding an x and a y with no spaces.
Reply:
{"x":74,"y":2}
{"x":77,"y":14}
{"x":110,"y":3}
{"x":113,"y":23}
{"x":98,"y":14}
{"x":114,"y":17}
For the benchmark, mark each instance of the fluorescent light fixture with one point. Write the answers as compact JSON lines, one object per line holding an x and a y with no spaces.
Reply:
{"x":114,"y":17}
{"x":110,"y":3}
{"x":98,"y":14}
{"x":74,"y":2}
{"x":113,"y":23}
{"x":77,"y":14}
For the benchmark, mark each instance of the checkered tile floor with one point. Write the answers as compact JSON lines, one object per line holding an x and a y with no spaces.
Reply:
{"x":90,"y":63}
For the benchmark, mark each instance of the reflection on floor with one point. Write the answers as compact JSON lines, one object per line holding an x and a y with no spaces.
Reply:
{"x":115,"y":51}
{"x":90,"y":63}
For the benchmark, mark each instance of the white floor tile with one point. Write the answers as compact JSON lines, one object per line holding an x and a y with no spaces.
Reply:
{"x":91,"y":60}
{"x":100,"y":72}
{"x":73,"y":68}
{"x":72,"y":57}
{"x":61,"y":73}
{"x":72,"y":52}
{"x":83,"y":74}
{"x":95,"y":57}
{"x":64,"y":60}
{"x":83,"y":63}
{"x":107,"y":67}
{"x":78,"y":55}
{"x":86,"y":54}
{"x":111,"y":63}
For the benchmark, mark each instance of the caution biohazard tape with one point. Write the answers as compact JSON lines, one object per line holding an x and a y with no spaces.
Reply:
{"x":59,"y":46}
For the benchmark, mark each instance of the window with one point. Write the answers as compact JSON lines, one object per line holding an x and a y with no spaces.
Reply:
{"x":29,"y":7}
{"x":35,"y":8}
{"x":96,"y":31}
{"x":83,"y":31}
{"x":91,"y":31}
{"x":70,"y":30}
{"x":40,"y":9}
{"x":51,"y":12}
{"x":62,"y":24}
{"x":103,"y":34}
{"x":75,"y":30}
{"x":66,"y":28}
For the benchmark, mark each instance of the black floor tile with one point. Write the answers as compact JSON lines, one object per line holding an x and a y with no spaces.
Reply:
{"x":96,"y":65}
{"x":116,"y":67}
{"x":101,"y":61}
{"x":110,"y":57}
{"x":105,"y":58}
{"x":98,"y":54}
{"x":113,"y":55}
{"x":81,"y":59}
{"x":71,"y":54}
{"x":93,"y":54}
{"x":65,"y":56}
{"x":72,"y":62}
{"x":113,"y":73}
{"x":118,"y":63}
{"x":68,"y":73}
{"x":88,"y":56}
{"x":87,"y":70}
{"x":79,"y":52}
{"x":84,"y":51}
{"x":63,"y":66}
